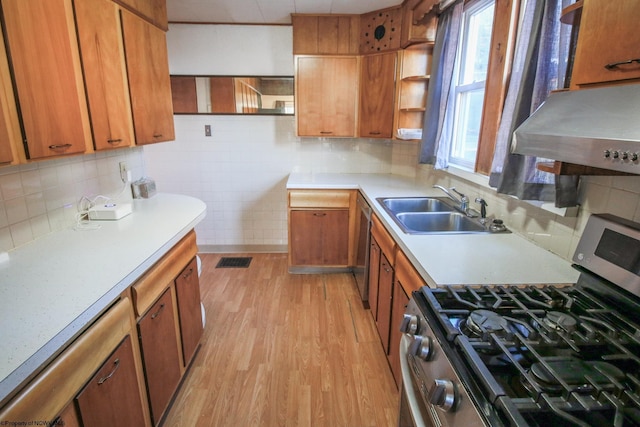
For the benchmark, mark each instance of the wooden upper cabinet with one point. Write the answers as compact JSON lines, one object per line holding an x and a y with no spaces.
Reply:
{"x":149,"y":83}
{"x":155,"y":11}
{"x":377,"y":90}
{"x":380,"y":30}
{"x":608,"y":36}
{"x":100,"y":37}
{"x":419,"y":22}
{"x":325,"y":34}
{"x":10,"y":137}
{"x":43,"y":48}
{"x":326,"y":95}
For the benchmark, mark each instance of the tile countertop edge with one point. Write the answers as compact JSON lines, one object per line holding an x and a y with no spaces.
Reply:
{"x":27,"y":370}
{"x":478,"y":269}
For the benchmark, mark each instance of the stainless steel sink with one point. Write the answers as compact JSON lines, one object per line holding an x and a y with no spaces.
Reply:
{"x":433,"y":215}
{"x":415,"y":204}
{"x":438,"y":222}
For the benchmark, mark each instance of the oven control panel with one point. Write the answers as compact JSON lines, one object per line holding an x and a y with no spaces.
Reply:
{"x":445,"y":399}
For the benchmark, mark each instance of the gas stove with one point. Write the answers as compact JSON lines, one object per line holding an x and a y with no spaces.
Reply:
{"x":537,"y":355}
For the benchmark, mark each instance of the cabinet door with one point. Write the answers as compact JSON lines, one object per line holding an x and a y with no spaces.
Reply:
{"x":374,"y":274}
{"x":8,"y":118}
{"x":69,"y":417}
{"x":385,"y":296}
{"x":112,"y":397}
{"x":400,"y":301}
{"x":100,"y":37}
{"x":149,"y":83}
{"x":608,"y":35}
{"x":326,"y":96}
{"x":43,"y":48}
{"x":188,"y":295}
{"x":154,"y":10}
{"x":319,"y":237}
{"x":376,"y":95}
{"x":160,"y":354}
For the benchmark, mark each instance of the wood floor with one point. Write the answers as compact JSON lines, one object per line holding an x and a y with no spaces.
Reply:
{"x":284,"y":350}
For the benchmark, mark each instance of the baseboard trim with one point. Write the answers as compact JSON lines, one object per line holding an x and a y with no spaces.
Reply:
{"x":232,"y":249}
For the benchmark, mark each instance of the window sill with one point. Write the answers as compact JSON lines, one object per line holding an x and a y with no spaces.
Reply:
{"x":483,"y":181}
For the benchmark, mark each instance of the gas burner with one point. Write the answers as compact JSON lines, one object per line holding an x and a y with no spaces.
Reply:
{"x":551,"y":376}
{"x":482,"y":322}
{"x":561,"y":322}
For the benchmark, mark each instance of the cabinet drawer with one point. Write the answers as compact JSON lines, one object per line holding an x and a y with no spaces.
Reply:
{"x":319,"y":199}
{"x":384,"y":239}
{"x":162,"y":274}
{"x":56,"y":386}
{"x":407,"y":275}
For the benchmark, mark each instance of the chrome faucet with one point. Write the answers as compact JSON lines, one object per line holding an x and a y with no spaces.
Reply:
{"x":463,"y":201}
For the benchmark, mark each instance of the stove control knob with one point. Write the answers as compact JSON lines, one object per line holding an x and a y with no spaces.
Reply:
{"x":443,"y":395}
{"x":409,"y":324}
{"x":421,"y":347}
{"x":615,"y":154}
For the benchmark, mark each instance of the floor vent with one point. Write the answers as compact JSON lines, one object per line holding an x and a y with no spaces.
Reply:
{"x":234,"y":262}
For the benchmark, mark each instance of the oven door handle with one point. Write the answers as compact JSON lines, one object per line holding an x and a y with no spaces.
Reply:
{"x":407,"y":380}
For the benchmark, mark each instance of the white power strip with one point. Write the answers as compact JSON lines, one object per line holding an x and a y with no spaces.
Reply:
{"x":109,"y":211}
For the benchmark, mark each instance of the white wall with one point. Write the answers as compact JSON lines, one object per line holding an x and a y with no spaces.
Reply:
{"x":240,"y":171}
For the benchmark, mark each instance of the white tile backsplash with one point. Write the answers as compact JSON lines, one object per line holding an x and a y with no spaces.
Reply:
{"x":42,"y":197}
{"x":240,"y":172}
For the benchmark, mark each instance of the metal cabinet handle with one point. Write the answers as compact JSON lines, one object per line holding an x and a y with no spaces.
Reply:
{"x":326,"y":132}
{"x":116,"y":366}
{"x":374,"y":133}
{"x":157,"y":135}
{"x":319,"y":214}
{"x":614,"y":65}
{"x":188,"y":273}
{"x":157,"y":313}
{"x":114,"y":141}
{"x":59,"y":146}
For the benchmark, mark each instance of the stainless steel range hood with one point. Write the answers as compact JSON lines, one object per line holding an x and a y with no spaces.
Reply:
{"x":593,"y":127}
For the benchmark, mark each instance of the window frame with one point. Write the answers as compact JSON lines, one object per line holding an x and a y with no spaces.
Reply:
{"x":463,"y":90}
{"x":505,"y":28}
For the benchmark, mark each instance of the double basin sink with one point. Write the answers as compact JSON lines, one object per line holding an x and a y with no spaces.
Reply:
{"x":433,"y":215}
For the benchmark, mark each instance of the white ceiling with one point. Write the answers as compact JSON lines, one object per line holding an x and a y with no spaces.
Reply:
{"x":264,"y":11}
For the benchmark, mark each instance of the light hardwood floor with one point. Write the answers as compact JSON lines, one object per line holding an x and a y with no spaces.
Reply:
{"x":284,"y":350}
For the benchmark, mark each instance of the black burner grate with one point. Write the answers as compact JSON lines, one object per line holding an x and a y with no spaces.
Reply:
{"x":234,"y":262}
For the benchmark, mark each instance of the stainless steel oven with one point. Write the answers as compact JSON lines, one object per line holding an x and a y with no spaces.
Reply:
{"x":535,"y":355}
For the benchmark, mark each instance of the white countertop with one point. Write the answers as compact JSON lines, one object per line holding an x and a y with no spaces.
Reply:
{"x":453,"y":259}
{"x":52,"y":288}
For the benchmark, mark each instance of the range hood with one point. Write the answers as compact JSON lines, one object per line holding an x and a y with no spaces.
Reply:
{"x":592,"y":127}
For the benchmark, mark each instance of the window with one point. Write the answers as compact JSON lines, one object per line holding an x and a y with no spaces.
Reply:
{"x":469,"y":81}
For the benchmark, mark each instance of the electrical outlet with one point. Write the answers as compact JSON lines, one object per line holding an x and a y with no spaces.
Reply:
{"x":124,"y":168}
{"x":207,"y":130}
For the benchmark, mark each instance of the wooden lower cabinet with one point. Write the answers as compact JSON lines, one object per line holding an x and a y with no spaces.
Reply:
{"x":374,"y":274}
{"x":385,"y":299}
{"x":160,"y":356}
{"x":111,"y":398}
{"x":188,"y":296}
{"x":400,"y":301}
{"x":319,"y":237}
